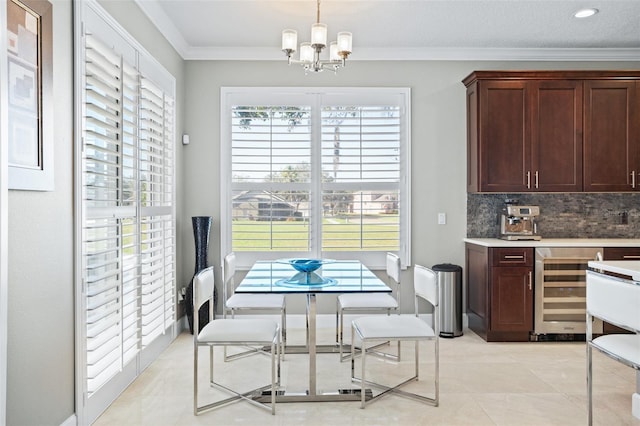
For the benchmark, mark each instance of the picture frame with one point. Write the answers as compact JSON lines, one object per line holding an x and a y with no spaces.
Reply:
{"x":23,"y":141}
{"x":30,"y":97}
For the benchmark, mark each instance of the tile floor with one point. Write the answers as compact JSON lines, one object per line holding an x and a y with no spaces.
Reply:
{"x":481,"y":384}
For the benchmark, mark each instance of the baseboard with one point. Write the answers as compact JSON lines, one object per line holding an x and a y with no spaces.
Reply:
{"x":71,"y":421}
{"x":635,"y":405}
{"x":183,"y":324}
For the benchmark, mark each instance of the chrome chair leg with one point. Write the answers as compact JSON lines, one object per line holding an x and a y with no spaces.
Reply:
{"x":589,"y":385}
{"x":371,"y":330}
{"x":337,"y":322}
{"x":283,"y":340}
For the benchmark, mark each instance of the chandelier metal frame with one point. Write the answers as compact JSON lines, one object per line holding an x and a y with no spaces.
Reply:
{"x":310,"y":52}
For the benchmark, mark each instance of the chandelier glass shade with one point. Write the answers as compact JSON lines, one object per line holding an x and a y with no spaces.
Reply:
{"x":311,"y":51}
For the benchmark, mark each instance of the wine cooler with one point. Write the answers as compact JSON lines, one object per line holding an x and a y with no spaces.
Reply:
{"x":560,"y":290}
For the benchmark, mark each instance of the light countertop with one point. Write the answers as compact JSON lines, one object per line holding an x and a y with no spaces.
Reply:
{"x":625,"y":267}
{"x":557,"y":242}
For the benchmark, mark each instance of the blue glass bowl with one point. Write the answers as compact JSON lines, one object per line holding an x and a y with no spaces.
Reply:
{"x":307,"y":265}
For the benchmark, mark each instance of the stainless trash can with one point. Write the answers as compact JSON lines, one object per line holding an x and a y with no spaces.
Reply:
{"x":450,"y":285}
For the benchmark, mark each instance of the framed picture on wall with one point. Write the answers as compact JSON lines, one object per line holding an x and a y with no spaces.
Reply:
{"x":23,"y":141}
{"x":30,"y":113}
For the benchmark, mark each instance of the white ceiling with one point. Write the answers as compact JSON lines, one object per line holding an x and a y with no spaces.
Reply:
{"x":405,"y":29}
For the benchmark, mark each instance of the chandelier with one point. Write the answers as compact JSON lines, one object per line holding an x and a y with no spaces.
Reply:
{"x":310,"y":51}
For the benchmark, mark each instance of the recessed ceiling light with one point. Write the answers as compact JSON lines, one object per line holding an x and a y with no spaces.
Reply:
{"x":585,"y":13}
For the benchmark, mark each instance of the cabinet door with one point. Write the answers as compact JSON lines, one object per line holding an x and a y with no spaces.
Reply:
{"x":503,"y":136}
{"x":477,"y":264}
{"x":556,"y":135}
{"x":610,"y":135}
{"x":511,"y":299}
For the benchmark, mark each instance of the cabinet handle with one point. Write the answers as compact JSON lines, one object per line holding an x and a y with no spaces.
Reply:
{"x":513,"y":256}
{"x":528,"y":180}
{"x":633,"y":179}
{"x":530,"y":280}
{"x":536,"y":179}
{"x":630,"y":256}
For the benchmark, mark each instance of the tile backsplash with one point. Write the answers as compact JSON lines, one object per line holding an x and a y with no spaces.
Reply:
{"x":562,"y":215}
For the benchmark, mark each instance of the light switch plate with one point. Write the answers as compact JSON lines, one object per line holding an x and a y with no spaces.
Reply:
{"x":442,"y":218}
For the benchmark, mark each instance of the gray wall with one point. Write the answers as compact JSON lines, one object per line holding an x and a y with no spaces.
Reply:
{"x":40,"y":358}
{"x":438,"y":142}
{"x":41,"y":345}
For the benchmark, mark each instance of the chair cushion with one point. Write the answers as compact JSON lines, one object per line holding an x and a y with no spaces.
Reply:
{"x":255,"y":301}
{"x":393,"y":327}
{"x":625,"y":346}
{"x":367,"y":300}
{"x":239,"y":331}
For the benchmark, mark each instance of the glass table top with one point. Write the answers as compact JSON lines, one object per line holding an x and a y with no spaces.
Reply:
{"x":341,"y":276}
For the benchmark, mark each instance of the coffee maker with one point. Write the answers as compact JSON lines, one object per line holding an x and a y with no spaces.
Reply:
{"x":518,"y":223}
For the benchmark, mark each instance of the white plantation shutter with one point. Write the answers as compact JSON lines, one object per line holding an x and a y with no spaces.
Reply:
{"x":158,"y":276}
{"x":157,"y":230}
{"x":109,"y":233}
{"x":271,"y":178}
{"x":266,"y":140}
{"x":361,"y":143}
{"x":315,"y":172}
{"x":127,"y":303}
{"x":130,"y":298}
{"x":361,"y":176}
{"x":168,"y":217}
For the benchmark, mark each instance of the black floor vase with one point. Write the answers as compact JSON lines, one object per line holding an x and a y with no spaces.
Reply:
{"x":201,"y":229}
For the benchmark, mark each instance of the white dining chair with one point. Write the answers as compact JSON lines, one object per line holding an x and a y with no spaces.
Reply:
{"x":234,"y":302}
{"x":367,"y":302}
{"x":374,"y":329}
{"x":616,"y":301}
{"x":230,"y":332}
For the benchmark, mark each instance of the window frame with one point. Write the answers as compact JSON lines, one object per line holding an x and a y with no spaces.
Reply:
{"x":315,"y":97}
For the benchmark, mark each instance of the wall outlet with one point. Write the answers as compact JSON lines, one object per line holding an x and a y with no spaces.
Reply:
{"x":442,"y":218}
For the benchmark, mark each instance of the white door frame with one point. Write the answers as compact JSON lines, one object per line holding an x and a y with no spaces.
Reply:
{"x":4,"y":209}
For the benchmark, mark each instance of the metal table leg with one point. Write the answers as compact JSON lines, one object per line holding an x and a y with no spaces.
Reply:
{"x":311,"y":311}
{"x":312,"y":395}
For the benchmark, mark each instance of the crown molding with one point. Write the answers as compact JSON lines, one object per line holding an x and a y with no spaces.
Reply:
{"x":499,"y":54}
{"x":233,"y":54}
{"x":429,"y":54}
{"x":163,"y":23}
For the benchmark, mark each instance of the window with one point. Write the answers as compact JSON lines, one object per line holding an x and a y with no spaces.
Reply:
{"x":126,"y":304}
{"x":315,"y":174}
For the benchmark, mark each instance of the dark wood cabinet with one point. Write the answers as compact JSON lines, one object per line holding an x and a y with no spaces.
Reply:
{"x":524,"y":135}
{"x":612,"y":142}
{"x":553,"y":131}
{"x":556,"y":136}
{"x":621,"y":253}
{"x":511,"y":299}
{"x":503,"y":136}
{"x":500,"y":292}
{"x":477,"y":279}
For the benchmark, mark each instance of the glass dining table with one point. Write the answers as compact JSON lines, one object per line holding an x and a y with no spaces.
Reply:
{"x":333,"y":277}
